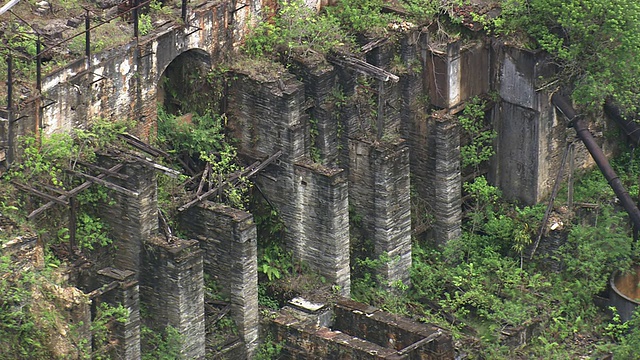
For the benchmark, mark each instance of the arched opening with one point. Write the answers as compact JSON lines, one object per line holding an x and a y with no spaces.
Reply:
{"x":185,"y":86}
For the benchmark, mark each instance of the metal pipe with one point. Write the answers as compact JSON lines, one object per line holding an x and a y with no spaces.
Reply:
{"x":629,"y":126}
{"x":87,"y":37}
{"x":38,"y":65}
{"x":563,"y":104}
{"x":135,"y":18}
{"x":9,"y":154}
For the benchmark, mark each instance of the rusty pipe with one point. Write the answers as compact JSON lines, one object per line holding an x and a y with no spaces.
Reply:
{"x":563,"y":104}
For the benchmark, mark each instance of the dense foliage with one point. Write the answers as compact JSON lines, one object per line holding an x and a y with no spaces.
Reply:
{"x":596,"y":44}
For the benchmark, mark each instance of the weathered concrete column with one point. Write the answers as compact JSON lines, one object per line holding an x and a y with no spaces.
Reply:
{"x":322,"y":233}
{"x":127,"y":333}
{"x":380,"y":196}
{"x":445,"y":179}
{"x":172,"y":290}
{"x":228,"y":238}
{"x":132,"y":220}
{"x":320,"y":79}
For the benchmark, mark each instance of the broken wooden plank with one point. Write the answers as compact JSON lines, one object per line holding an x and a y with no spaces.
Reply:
{"x":374,"y":44}
{"x":54,"y":189}
{"x":40,"y":193}
{"x":362,"y":67}
{"x":142,"y":146}
{"x":205,"y":173}
{"x":105,"y":183}
{"x":103,"y":170}
{"x":420,"y":343}
{"x":167,"y":171}
{"x":230,"y":179}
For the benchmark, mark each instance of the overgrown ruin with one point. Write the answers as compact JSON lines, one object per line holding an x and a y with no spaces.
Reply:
{"x":344,"y":148}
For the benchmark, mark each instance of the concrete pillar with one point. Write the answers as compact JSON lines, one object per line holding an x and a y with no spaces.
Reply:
{"x":392,"y":212}
{"x":445,"y":177}
{"x":228,"y":238}
{"x":132,"y":220}
{"x":321,"y":236}
{"x":172,"y":291}
{"x":126,"y":333}
{"x":379,"y":195}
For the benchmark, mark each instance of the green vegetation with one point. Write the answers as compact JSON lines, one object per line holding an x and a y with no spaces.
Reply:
{"x":596,"y":43}
{"x":160,"y":345}
{"x":480,"y":284}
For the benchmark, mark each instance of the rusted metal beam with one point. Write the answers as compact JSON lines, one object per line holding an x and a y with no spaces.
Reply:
{"x":563,"y":104}
{"x":629,"y":126}
{"x":554,"y":193}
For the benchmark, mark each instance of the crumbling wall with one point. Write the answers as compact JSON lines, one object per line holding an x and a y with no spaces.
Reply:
{"x":172,"y":291}
{"x":228,"y":238}
{"x":323,"y":199}
{"x":532,"y":135}
{"x":122,"y":82}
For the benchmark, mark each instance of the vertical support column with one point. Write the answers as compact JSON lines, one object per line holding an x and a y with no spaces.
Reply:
{"x":228,"y":238}
{"x":132,"y":219}
{"x":447,"y":204}
{"x":324,"y":223}
{"x":127,"y":333}
{"x":172,"y":290}
{"x":392,"y":212}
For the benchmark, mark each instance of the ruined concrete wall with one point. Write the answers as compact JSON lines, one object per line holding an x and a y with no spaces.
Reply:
{"x":532,"y":136}
{"x":228,"y":238}
{"x":390,"y":330}
{"x":132,"y":220}
{"x":172,"y":291}
{"x":320,"y":87}
{"x":456,"y":73}
{"x":359,"y":331}
{"x":379,"y":194}
{"x":121,"y":83}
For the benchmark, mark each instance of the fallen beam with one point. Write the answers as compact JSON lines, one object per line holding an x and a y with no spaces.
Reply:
{"x":362,"y":67}
{"x":70,"y":193}
{"x":40,"y":193}
{"x":248,"y":172}
{"x":105,"y":183}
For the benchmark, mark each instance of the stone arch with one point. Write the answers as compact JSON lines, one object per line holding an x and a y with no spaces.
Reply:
{"x":182,"y":79}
